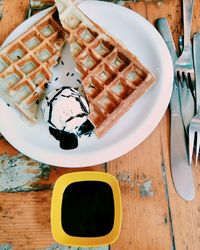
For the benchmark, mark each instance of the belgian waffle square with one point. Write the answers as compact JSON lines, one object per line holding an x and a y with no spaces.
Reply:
{"x":26,"y":62}
{"x":112,"y":77}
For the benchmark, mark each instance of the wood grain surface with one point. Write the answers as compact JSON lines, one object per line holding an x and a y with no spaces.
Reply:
{"x":154,"y":216}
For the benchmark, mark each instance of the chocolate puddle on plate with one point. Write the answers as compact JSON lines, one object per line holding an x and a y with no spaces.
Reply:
{"x":70,"y":140}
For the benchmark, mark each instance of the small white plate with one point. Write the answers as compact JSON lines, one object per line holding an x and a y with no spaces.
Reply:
{"x":145,"y":42}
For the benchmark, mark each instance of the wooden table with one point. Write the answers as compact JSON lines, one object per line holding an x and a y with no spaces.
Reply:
{"x":154,"y":216}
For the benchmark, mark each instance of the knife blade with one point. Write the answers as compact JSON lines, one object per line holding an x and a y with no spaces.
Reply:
{"x":180,"y":169}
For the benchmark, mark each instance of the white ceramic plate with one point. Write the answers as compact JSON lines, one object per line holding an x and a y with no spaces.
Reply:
{"x":144,"y":41}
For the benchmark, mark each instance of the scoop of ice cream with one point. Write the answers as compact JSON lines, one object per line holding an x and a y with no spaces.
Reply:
{"x":65,"y":109}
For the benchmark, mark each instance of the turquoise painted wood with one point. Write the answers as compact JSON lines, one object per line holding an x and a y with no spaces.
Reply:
{"x":56,"y":247}
{"x":20,"y":173}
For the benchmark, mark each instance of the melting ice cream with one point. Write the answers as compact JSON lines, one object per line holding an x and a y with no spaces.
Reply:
{"x":66,"y":111}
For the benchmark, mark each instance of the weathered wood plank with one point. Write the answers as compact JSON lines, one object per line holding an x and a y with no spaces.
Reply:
{"x":5,"y":147}
{"x":25,"y":222}
{"x":25,"y":217}
{"x":14,"y":12}
{"x":185,"y":215}
{"x":145,"y":207}
{"x":20,"y":173}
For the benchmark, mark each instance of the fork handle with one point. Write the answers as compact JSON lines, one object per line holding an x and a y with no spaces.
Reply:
{"x":187,"y":20}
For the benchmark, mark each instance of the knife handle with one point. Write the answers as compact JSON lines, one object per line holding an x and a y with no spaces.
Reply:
{"x":164,"y":29}
{"x":187,"y":21}
{"x":196,"y":52}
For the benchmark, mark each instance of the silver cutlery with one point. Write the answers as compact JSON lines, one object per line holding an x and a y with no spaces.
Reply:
{"x":181,"y":170}
{"x":184,"y":64}
{"x":194,"y":127}
{"x":186,"y":97}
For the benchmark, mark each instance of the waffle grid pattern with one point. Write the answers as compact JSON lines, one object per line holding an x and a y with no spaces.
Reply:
{"x":26,"y":62}
{"x":113,"y":79}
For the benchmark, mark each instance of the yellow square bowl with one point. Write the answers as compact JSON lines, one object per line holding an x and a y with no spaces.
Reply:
{"x":86,"y":209}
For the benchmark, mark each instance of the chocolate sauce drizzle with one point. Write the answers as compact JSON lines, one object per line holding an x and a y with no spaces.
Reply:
{"x":69,"y":140}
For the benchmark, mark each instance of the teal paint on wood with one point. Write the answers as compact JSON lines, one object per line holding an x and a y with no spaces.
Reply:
{"x":125,"y":180}
{"x":39,"y":5}
{"x":165,"y":180}
{"x":142,"y":183}
{"x":163,"y":170}
{"x":20,"y":173}
{"x":61,"y":247}
{"x":146,"y":189}
{"x":6,"y":247}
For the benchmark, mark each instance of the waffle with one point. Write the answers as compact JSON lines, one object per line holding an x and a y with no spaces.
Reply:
{"x":26,"y":62}
{"x":112,"y":77}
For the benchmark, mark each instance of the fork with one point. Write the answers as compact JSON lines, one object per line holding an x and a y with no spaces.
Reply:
{"x":184,"y":64}
{"x":186,"y":97}
{"x":194,"y":127}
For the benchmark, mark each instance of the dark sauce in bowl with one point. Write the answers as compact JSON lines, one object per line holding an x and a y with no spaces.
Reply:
{"x":88,"y":209}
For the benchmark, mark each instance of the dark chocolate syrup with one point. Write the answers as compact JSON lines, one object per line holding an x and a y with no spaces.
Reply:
{"x":67,"y":140}
{"x":70,"y":140}
{"x":85,"y":129}
{"x":88,"y":209}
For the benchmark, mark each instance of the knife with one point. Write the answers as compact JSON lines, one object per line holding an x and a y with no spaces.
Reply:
{"x":196,"y":53}
{"x":181,"y":170}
